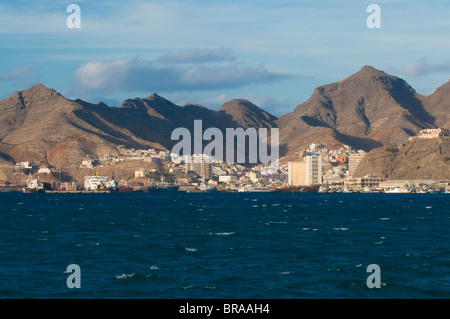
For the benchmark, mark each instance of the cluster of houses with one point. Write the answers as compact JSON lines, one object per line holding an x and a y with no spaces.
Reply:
{"x":315,"y":165}
{"x":209,"y":170}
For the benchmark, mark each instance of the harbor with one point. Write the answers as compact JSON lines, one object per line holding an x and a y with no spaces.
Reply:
{"x":35,"y":186}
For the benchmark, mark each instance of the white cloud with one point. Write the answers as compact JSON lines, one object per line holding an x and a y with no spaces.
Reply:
{"x":21,"y":76}
{"x":198,"y":56}
{"x":101,"y":74}
{"x":423,"y":67}
{"x":17,"y":73}
{"x":137,"y":75}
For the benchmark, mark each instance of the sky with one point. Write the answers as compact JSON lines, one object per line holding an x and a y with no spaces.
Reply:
{"x":207,"y":52}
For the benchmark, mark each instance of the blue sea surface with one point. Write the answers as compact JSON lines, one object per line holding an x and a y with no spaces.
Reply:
{"x":224,"y":245}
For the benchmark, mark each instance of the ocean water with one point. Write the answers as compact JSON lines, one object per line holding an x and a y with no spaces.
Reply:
{"x":222,"y":245}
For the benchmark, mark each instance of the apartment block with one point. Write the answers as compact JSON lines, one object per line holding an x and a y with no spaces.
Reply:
{"x":307,"y":172}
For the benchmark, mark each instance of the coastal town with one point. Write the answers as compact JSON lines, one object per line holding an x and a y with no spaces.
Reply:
{"x":317,"y":169}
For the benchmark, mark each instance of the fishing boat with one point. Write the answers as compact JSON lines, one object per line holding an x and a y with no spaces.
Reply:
{"x":323,"y":189}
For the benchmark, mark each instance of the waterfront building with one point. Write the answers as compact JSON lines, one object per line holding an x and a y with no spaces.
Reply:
{"x":296,"y":173}
{"x":307,"y":172}
{"x":200,"y":164}
{"x":353,"y":161}
{"x":371,"y":182}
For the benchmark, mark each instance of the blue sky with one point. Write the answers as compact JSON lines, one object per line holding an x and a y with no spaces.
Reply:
{"x":273,"y":53}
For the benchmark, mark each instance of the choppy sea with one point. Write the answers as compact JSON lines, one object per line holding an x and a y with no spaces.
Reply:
{"x":224,"y":245}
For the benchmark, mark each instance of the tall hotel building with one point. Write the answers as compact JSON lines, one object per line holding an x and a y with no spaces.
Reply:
{"x":305,"y":173}
{"x":353,"y":161}
{"x":200,"y":164}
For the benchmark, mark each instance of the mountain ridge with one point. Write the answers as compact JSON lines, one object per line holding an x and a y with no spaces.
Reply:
{"x":365,"y":110}
{"x":368,"y":109}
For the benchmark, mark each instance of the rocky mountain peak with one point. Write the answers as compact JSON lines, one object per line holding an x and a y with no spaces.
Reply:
{"x":154,"y":96}
{"x":237,"y":104}
{"x":40,"y":91}
{"x":368,"y":69}
{"x":247,"y":114}
{"x":38,"y":96}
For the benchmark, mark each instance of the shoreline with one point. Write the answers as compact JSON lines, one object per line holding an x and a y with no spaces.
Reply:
{"x":17,"y":189}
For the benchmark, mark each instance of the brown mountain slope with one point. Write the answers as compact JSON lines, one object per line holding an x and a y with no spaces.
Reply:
{"x":24,"y":107}
{"x":366,"y":110}
{"x":246,"y":114}
{"x":38,"y":124}
{"x":424,"y":159}
{"x":438,"y":105}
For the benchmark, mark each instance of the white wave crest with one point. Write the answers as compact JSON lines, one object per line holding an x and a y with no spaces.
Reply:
{"x":124,"y":276}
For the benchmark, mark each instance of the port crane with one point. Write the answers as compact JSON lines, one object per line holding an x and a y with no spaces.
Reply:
{"x":100,"y":185}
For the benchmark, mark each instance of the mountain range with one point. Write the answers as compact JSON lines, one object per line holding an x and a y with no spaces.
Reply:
{"x":366,"y":110}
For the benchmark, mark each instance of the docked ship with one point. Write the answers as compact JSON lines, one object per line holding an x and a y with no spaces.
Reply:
{"x":34,"y":186}
{"x":259,"y":189}
{"x":297,"y":189}
{"x":204,"y":188}
{"x":99,"y":183}
{"x":7,"y":187}
{"x":166,"y":187}
{"x":163,"y":186}
{"x":398,"y":190}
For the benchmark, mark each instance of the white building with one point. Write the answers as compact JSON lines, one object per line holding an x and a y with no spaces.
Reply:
{"x":313,"y":169}
{"x":139,"y":173}
{"x":86,"y":164}
{"x":178,"y":159}
{"x":431,"y":133}
{"x":217,"y":170}
{"x":44,"y":170}
{"x":254,"y":177}
{"x":200,"y":164}
{"x":24,"y":164}
{"x":176,"y":170}
{"x":227,"y":178}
